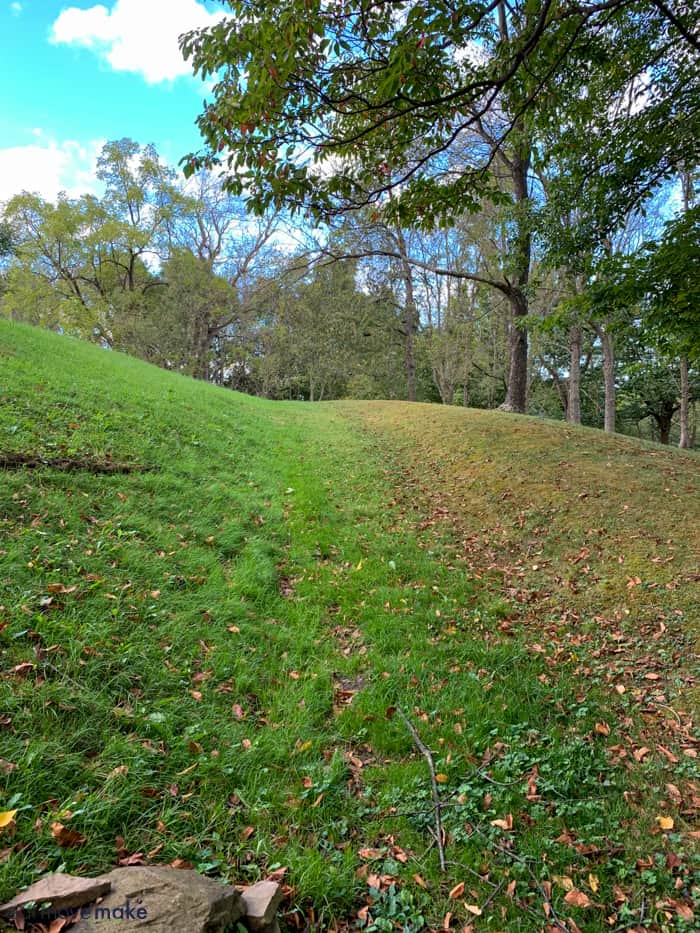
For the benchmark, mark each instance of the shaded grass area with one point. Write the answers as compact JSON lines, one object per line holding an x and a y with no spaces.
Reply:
{"x":200,"y":663}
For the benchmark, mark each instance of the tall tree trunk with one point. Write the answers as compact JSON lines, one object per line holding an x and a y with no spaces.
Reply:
{"x":410,"y":317}
{"x":608,"y":377}
{"x":516,"y":394}
{"x":684,"y":442}
{"x":573,"y":407}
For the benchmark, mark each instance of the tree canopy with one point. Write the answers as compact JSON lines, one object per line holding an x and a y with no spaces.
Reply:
{"x":327,"y":107}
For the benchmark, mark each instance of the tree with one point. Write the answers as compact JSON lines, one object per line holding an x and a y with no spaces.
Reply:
{"x":327,"y":108}
{"x":191,"y":309}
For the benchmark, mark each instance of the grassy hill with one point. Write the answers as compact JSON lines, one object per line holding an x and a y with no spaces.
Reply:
{"x":224,"y":622}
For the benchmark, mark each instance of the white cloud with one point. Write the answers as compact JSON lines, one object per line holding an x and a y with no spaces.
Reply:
{"x":135,"y":35}
{"x":48,"y":167}
{"x":16,"y":8}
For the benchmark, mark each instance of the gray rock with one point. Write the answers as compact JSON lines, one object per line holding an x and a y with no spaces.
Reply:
{"x":61,"y":891}
{"x":260,"y":903}
{"x":163,"y":899}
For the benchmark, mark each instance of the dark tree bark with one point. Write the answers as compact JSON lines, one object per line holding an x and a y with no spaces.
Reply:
{"x":684,"y":442}
{"x":516,"y":395}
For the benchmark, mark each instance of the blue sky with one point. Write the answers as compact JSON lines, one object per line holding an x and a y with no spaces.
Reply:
{"x":76,"y":74}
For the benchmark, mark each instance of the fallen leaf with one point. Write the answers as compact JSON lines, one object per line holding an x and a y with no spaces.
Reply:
{"x":119,"y":771}
{"x":371,"y":854}
{"x":6,"y":817}
{"x":457,"y":890}
{"x":507,"y":823}
{"x":577,"y":898}
{"x":665,"y":822}
{"x":136,"y":859}
{"x":66,"y":838}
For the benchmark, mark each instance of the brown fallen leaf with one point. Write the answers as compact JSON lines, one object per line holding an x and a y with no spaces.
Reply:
{"x":119,"y":771}
{"x":506,"y":824}
{"x":577,"y":898}
{"x":457,"y":890}
{"x":137,"y":858}
{"x":66,"y":838}
{"x":371,"y":854}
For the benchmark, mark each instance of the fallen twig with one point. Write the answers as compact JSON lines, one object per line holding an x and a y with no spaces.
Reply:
{"x":425,"y":751}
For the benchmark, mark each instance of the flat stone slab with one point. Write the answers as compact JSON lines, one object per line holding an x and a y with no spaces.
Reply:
{"x":163,"y":899}
{"x":260,"y":903}
{"x":61,"y":891}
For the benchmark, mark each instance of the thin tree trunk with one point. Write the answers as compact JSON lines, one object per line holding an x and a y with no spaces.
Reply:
{"x":573,"y":408}
{"x":410,"y":318}
{"x":684,"y":442}
{"x":608,"y":378}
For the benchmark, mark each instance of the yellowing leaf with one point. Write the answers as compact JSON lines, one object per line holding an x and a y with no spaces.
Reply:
{"x":594,"y":883}
{"x":564,"y":881}
{"x":7,"y":817}
{"x":441,"y":778}
{"x":665,"y":822}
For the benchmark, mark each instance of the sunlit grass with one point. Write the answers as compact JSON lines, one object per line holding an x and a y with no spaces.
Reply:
{"x":184,"y":698}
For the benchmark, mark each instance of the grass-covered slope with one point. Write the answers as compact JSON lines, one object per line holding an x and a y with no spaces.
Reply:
{"x":206,"y":659}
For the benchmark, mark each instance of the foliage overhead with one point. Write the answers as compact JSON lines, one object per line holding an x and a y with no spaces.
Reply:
{"x":328,"y":107}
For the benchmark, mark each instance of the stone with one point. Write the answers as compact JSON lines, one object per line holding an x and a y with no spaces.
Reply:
{"x":61,"y":891}
{"x":164,"y":899}
{"x":260,"y":903}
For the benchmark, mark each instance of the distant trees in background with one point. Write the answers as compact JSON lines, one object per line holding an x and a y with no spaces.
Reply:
{"x":478,"y":203}
{"x":179,"y":274}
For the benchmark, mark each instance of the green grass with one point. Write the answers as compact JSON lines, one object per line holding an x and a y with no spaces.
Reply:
{"x":217,"y":682}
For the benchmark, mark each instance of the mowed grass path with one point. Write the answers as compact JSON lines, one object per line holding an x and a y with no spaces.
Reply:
{"x":202,"y":660}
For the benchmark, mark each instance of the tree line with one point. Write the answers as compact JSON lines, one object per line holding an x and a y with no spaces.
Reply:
{"x":485,"y":203}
